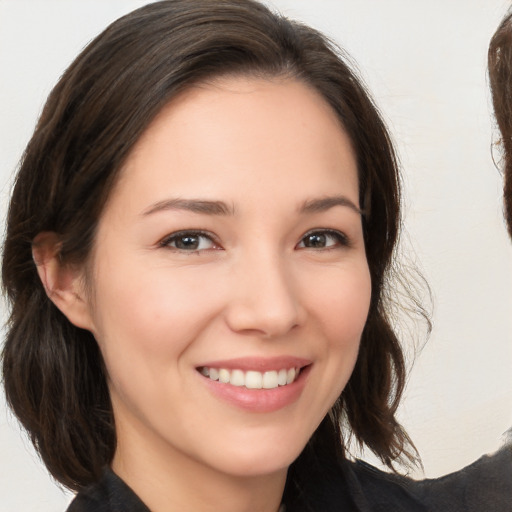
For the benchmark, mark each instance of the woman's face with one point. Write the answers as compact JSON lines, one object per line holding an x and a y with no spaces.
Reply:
{"x":230,"y":282}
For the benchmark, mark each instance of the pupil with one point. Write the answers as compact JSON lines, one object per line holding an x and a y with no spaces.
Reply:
{"x":316,"y":240}
{"x":187,"y":242}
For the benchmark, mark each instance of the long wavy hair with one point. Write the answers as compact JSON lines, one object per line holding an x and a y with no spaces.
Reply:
{"x":53,"y":372}
{"x":500,"y":78}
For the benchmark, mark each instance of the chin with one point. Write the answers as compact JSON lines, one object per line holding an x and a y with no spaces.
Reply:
{"x":258,"y":459}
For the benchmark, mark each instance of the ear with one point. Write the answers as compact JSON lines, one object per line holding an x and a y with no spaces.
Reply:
{"x":64,"y":283}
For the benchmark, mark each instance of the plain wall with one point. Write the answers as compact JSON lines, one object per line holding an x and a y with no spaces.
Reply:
{"x":425,"y":63}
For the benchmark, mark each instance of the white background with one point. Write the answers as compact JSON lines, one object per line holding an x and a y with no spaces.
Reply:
{"x":425,"y":63}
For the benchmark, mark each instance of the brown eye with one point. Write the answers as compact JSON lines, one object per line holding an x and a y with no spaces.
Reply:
{"x":322,"y":240}
{"x":189,"y":241}
{"x":315,"y":240}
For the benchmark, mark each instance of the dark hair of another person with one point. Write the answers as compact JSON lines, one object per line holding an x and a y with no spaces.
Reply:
{"x":500,"y":76}
{"x":54,"y":376}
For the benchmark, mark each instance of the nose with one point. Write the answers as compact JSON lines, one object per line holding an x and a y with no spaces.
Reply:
{"x":265,"y":299}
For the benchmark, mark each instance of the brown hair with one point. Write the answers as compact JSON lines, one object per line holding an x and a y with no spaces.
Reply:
{"x":500,"y":76}
{"x":53,"y":371}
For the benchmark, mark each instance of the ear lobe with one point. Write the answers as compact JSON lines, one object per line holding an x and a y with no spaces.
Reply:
{"x":62,"y":282}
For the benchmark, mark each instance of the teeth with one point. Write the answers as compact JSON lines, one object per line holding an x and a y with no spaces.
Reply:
{"x":252,"y":379}
{"x":224,"y":375}
{"x":237,"y":378}
{"x":270,"y":380}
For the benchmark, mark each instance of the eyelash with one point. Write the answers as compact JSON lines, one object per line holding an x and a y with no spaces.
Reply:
{"x":340,"y":239}
{"x":168,"y":240}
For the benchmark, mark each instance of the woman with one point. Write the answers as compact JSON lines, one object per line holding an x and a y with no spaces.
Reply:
{"x":197,"y":252}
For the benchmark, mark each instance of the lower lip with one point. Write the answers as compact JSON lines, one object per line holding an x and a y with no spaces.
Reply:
{"x":259,"y":400}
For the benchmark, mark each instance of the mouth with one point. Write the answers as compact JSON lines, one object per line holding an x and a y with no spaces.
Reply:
{"x":253,"y":379}
{"x":255,"y":384}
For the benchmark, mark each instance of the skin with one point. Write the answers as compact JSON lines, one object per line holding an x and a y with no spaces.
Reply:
{"x":254,"y":286}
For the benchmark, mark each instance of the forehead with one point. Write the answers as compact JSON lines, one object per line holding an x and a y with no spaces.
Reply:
{"x":235,"y":131}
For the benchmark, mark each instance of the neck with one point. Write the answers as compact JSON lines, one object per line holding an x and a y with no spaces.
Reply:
{"x":167,"y":480}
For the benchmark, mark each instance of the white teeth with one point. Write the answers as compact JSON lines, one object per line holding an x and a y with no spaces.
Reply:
{"x":281,"y":377}
{"x":224,"y":375}
{"x":252,"y":379}
{"x":270,"y":380}
{"x":237,"y":378}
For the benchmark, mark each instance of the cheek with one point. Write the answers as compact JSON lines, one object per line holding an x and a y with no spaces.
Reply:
{"x":342,"y":305}
{"x":149,"y":318}
{"x":145,"y":327}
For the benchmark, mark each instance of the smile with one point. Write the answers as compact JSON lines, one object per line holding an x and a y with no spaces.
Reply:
{"x":252,"y":379}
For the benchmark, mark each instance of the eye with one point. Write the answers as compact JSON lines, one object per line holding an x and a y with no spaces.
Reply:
{"x":189,"y":241}
{"x":323,"y":239}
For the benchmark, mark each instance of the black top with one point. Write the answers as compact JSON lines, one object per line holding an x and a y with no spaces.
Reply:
{"x":110,"y":494}
{"x":485,"y":486}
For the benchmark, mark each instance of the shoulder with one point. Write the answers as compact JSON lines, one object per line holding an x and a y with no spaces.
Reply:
{"x":484,"y":486}
{"x":377,"y":491}
{"x":354,"y":486}
{"x":109,"y":494}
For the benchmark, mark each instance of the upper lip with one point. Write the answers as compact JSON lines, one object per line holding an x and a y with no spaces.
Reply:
{"x":259,"y":364}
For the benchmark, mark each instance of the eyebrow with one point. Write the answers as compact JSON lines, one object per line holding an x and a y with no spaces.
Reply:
{"x":326,"y":203}
{"x":207,"y":207}
{"x":192,"y":205}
